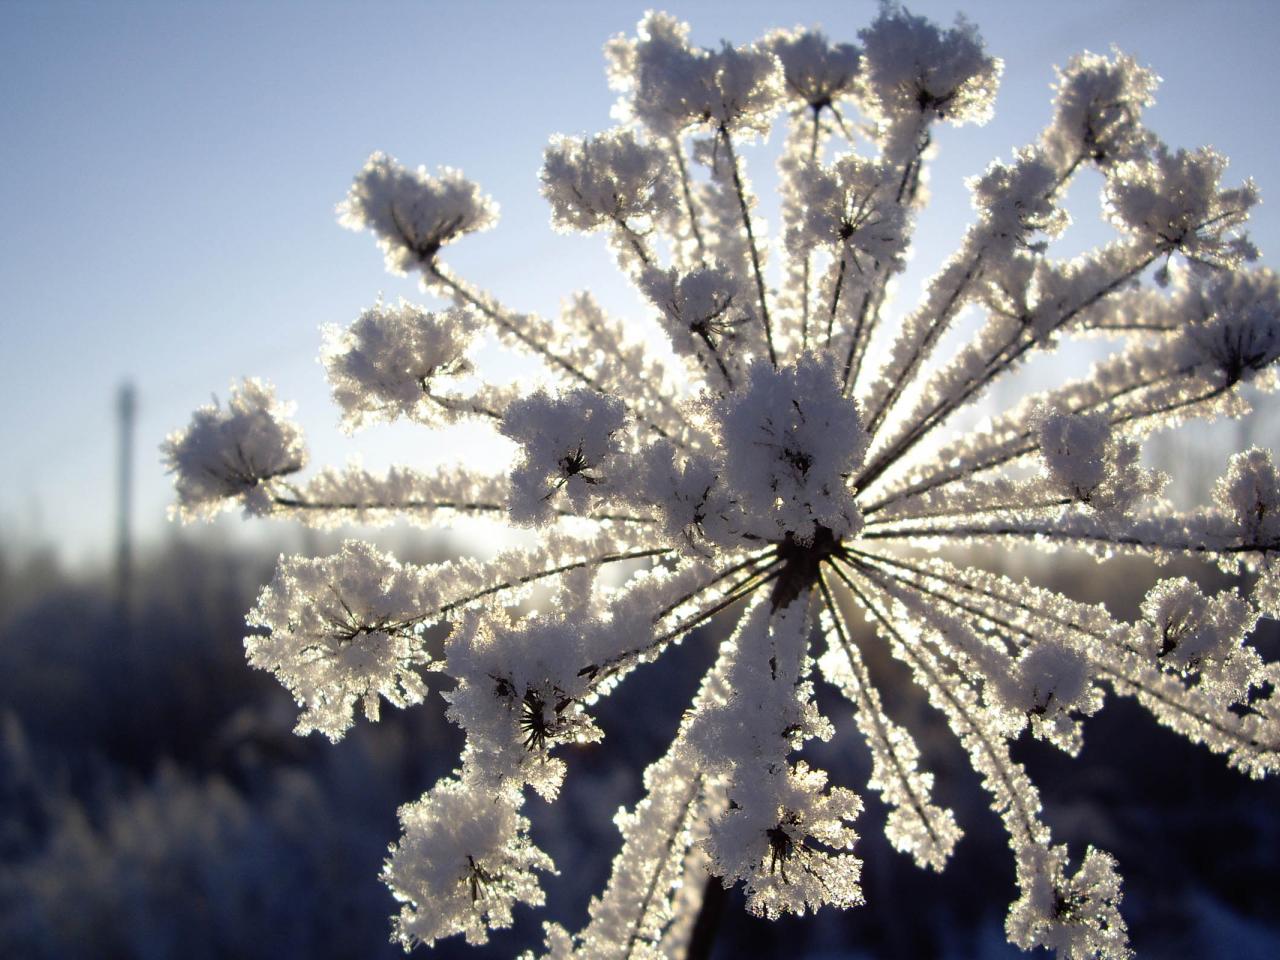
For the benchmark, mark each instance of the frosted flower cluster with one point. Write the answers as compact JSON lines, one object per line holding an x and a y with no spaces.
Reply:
{"x":771,"y":442}
{"x":413,"y":213}
{"x":447,"y":830}
{"x":342,"y":631}
{"x":403,"y":361}
{"x":227,"y":455}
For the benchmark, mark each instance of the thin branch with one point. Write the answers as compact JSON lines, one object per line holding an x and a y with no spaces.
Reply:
{"x":739,"y":591}
{"x":835,"y":296}
{"x":745,"y":210}
{"x":1028,"y":446}
{"x":970,"y":511}
{"x":998,"y":760}
{"x":808,"y":256}
{"x":868,"y":708}
{"x":461,"y":292}
{"x":858,"y":343}
{"x":1095,"y":661}
{"x":754,"y":561}
{"x":685,"y":188}
{"x":635,"y":241}
{"x":1001,"y":361}
{"x":924,"y":348}
{"x":878,"y":574}
{"x":298,"y":502}
{"x":680,"y":824}
{"x":1068,"y":536}
{"x":455,"y":404}
{"x":715,"y":355}
{"x":601,"y":560}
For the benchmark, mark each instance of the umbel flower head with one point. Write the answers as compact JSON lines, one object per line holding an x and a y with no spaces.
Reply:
{"x":769,"y":442}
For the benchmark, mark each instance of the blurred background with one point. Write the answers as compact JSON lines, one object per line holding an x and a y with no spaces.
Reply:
{"x":167,"y":178}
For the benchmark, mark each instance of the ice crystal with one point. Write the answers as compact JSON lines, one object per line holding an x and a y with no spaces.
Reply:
{"x":796,"y":455}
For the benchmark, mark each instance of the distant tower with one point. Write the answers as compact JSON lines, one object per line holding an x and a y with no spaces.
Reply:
{"x":126,"y":411}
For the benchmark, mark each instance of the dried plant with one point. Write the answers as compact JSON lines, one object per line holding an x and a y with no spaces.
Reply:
{"x":768,"y":442}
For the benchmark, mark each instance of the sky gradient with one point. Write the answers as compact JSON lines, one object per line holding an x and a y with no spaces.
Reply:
{"x":168,"y":174}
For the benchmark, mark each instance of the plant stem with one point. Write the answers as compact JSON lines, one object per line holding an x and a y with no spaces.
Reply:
{"x":751,"y":241}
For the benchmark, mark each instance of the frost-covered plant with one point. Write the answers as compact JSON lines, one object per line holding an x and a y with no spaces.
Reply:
{"x":776,"y":446}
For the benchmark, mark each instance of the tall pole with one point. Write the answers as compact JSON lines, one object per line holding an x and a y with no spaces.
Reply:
{"x":126,"y":411}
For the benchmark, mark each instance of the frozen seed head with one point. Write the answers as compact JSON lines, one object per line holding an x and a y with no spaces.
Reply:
{"x":228,"y":454}
{"x":464,"y":859}
{"x":1187,"y":630}
{"x":611,"y":179}
{"x":1088,"y":463}
{"x":1235,"y":333}
{"x":910,"y":64}
{"x":398,"y":361}
{"x":774,"y":440}
{"x":817,"y":73}
{"x":340,"y":631}
{"x":791,"y":441}
{"x":1077,"y":916}
{"x":788,"y":840}
{"x":1249,"y":494}
{"x":569,"y":447}
{"x":1174,"y":202}
{"x":670,"y":86}
{"x":1016,"y":202}
{"x":704,"y":311}
{"x":412,"y":213}
{"x":1098,"y":115}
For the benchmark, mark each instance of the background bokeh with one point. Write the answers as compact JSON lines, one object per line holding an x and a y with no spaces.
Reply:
{"x":168,"y":173}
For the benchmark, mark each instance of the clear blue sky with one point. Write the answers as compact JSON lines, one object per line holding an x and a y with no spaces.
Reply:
{"x":168,"y":173}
